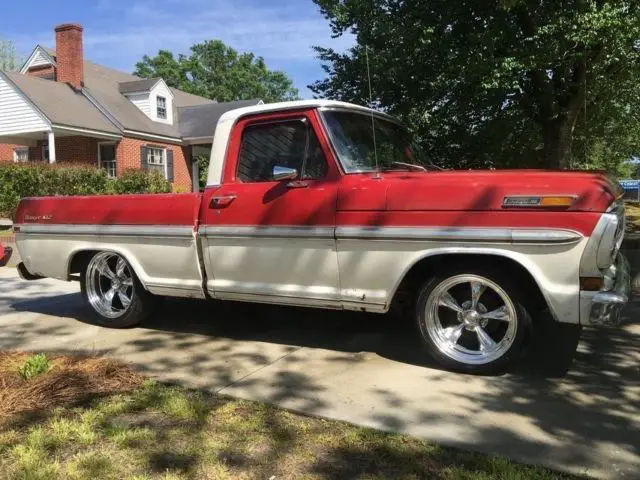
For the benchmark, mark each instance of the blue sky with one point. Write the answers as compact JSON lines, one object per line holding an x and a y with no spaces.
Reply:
{"x":119,"y":32}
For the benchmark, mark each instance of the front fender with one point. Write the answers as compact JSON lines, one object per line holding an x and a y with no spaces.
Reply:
{"x":373,"y":275}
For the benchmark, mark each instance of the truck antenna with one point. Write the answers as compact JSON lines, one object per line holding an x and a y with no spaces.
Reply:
{"x":373,"y":126}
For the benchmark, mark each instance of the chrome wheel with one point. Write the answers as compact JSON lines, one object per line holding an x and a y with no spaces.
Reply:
{"x":109,"y":282}
{"x":470,"y":319}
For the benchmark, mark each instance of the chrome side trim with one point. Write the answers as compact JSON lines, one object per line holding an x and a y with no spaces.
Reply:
{"x":110,"y":230}
{"x":267,"y":232}
{"x":277,"y":299}
{"x":463,"y":234}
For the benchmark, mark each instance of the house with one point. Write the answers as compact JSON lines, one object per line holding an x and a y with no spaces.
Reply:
{"x":63,"y":108}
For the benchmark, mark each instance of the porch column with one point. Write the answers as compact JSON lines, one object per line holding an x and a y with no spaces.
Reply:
{"x":52,"y":147}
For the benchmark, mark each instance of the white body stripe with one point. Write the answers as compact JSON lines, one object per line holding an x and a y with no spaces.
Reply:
{"x":346,"y":267}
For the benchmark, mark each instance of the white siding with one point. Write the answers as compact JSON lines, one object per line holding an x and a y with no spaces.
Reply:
{"x":162,"y":90}
{"x":39,"y":59}
{"x":16,"y":114}
{"x":141,"y":100}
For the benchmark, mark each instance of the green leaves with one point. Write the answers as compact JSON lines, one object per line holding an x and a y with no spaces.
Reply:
{"x":34,"y":365}
{"x":219,"y":72}
{"x":37,"y":180}
{"x":515,"y":83}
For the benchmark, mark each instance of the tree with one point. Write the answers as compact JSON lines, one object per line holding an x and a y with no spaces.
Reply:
{"x":219,"y":72}
{"x":9,"y":58}
{"x":495,"y":83}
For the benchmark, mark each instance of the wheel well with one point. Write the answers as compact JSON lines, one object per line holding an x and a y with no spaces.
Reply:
{"x":428,"y":267}
{"x":79,"y":261}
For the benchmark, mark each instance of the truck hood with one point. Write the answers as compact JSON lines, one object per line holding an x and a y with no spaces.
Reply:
{"x":472,"y":190}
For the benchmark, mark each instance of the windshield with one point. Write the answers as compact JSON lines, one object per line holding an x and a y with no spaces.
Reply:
{"x":352,"y":137}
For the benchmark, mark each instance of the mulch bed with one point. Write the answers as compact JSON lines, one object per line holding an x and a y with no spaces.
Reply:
{"x":69,"y":381}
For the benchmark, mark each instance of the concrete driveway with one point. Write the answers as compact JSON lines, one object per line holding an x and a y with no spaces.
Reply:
{"x":365,"y":369}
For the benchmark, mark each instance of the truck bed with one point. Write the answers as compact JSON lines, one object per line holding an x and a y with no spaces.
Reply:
{"x":154,"y":231}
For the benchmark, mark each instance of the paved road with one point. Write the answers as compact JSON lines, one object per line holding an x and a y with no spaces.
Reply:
{"x":361,"y":368}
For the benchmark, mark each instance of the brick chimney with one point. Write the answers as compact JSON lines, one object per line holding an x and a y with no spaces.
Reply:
{"x":69,"y":55}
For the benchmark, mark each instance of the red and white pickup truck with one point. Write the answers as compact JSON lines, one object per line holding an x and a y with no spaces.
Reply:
{"x":301,"y":209}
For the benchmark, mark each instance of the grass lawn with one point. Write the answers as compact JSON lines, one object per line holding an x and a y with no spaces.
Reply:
{"x":75,"y":418}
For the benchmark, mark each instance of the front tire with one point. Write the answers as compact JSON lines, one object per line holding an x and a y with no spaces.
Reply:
{"x":472,"y":320}
{"x":112,"y":291}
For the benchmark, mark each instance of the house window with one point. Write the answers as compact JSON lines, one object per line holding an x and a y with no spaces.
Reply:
{"x":21,"y":154}
{"x":156,"y":160}
{"x":107,"y":158}
{"x":161,"y":107}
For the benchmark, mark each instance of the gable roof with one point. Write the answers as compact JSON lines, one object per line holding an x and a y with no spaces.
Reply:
{"x":102,"y":84}
{"x":138,"y":85}
{"x":60,"y":104}
{"x":200,"y":121}
{"x":40,"y":57}
{"x":102,"y":106}
{"x":104,"y":100}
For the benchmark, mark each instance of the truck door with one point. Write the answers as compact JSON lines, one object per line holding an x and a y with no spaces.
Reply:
{"x":268,"y":230}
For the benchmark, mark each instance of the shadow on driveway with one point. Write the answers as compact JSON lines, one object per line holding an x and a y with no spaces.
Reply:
{"x":586,"y":421}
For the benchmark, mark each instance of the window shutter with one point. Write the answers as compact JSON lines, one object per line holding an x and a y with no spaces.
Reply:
{"x":170,"y":165}
{"x":143,"y":158}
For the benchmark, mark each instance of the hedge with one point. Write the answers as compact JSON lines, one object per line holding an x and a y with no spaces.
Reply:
{"x":35,"y":180}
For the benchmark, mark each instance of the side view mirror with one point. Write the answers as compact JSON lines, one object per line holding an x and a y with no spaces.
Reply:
{"x":284,"y":173}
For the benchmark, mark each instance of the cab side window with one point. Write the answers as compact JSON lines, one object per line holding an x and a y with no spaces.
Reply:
{"x":290,"y":144}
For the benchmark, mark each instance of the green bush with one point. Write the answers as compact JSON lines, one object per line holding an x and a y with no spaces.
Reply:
{"x":36,"y":180}
{"x":139,"y":181}
{"x":34,"y":365}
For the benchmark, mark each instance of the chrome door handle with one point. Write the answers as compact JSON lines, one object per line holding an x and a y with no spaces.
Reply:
{"x":222,"y":201}
{"x":298,"y":184}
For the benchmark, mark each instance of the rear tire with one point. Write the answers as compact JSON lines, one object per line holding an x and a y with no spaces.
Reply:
{"x":472,"y":320}
{"x":113,"y":293}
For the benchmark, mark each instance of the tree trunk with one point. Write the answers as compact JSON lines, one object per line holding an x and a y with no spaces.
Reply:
{"x":557,"y":143}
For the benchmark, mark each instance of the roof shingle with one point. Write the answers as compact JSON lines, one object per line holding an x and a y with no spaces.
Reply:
{"x":201,"y":120}
{"x":194,"y":116}
{"x":61,"y":104}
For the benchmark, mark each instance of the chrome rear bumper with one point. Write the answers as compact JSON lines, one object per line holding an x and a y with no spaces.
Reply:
{"x":605,"y":307}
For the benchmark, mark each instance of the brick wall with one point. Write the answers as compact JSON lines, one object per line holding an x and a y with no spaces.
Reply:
{"x":68,"y":150}
{"x":47,"y":71}
{"x":85,"y":150}
{"x":128,"y":156}
{"x":6,"y":152}
{"x":77,"y":150}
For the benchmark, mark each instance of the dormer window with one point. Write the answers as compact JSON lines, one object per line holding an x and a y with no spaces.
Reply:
{"x":152,"y":96}
{"x":161,"y":105}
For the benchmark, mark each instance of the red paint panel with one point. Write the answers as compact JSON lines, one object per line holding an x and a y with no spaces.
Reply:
{"x":582,"y":222}
{"x":160,"y":209}
{"x":464,"y":191}
{"x":307,"y":203}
